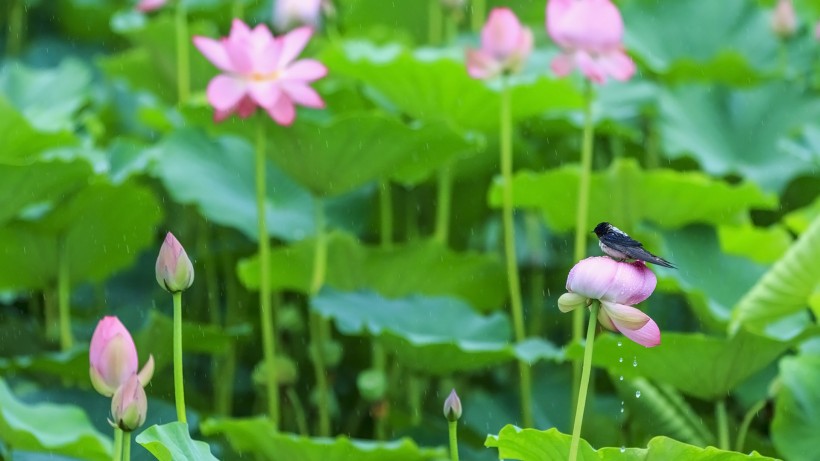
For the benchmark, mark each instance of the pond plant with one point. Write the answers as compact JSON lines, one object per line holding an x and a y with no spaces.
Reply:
{"x":389,"y":206}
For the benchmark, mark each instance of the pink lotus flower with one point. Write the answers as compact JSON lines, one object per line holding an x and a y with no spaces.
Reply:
{"x":260,"y":70}
{"x":784,"y":19}
{"x":590,"y":33}
{"x":113,"y":357}
{"x":287,"y":13}
{"x":147,"y":6}
{"x":174,"y":270}
{"x":505,"y":45}
{"x":129,"y":405}
{"x":617,"y":285}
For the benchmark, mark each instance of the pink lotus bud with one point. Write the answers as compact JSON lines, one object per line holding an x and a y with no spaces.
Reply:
{"x":505,"y":46}
{"x":147,"y":6}
{"x":600,"y":277}
{"x":784,"y":19}
{"x":452,"y":407}
{"x":113,"y":357}
{"x":617,"y":285}
{"x":174,"y":270}
{"x":590,"y":32}
{"x":293,"y":13}
{"x":129,"y":405}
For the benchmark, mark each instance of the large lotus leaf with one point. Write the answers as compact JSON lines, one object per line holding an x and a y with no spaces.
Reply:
{"x":733,"y":43}
{"x":713,"y":281}
{"x":431,"y":335}
{"x":762,"y":245}
{"x":170,"y":442}
{"x":102,"y":227}
{"x":796,"y":420}
{"x":257,"y":437}
{"x":432,"y":86}
{"x":25,"y":185}
{"x":155,"y":50}
{"x":737,"y":131}
{"x":705,"y":367}
{"x":799,"y":221}
{"x":422,"y":267}
{"x":218,"y":176}
{"x":71,"y":365}
{"x":786,"y":288}
{"x":21,"y":141}
{"x":49,"y":428}
{"x":156,"y":338}
{"x":626,"y":193}
{"x":350,"y":151}
{"x":48,"y":98}
{"x":534,"y":445}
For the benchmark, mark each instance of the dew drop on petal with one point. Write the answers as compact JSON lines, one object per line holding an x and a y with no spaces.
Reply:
{"x":637,"y":394}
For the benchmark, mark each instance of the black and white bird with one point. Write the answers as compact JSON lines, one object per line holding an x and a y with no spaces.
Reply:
{"x":615,"y":243}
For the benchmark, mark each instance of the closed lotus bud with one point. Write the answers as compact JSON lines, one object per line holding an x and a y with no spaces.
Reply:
{"x":174,"y":270}
{"x":147,"y":6}
{"x":113,"y":357}
{"x":288,"y":14}
{"x":452,"y":407}
{"x":129,"y":405}
{"x":784,"y":19}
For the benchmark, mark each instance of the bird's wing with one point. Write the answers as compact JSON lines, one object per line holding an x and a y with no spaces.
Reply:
{"x":622,"y":240}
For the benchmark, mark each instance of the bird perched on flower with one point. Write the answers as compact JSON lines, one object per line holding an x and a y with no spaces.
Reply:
{"x":616,"y":244}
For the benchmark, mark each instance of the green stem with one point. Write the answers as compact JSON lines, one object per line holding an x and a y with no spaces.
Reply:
{"x":513,"y":282}
{"x":16,"y":27}
{"x":117,"y":453}
{"x":386,"y":214}
{"x":183,"y":59}
{"x":179,"y":388}
{"x":581,"y":223}
{"x":722,"y":424}
{"x":453,"y":428}
{"x":298,"y":411}
{"x":435,"y":22}
{"x":126,"y":446}
{"x":64,"y":296}
{"x":444,"y":195}
{"x":477,"y":14}
{"x":318,"y":336}
{"x":265,"y":308}
{"x":414,"y":386}
{"x":537,"y":283}
{"x":747,"y":421}
{"x":582,"y":394}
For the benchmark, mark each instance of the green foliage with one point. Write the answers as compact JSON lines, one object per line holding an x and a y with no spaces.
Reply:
{"x":50,"y":428}
{"x":795,"y":419}
{"x":627,"y":193}
{"x":422,"y":267}
{"x":256,"y":436}
{"x":533,"y":445}
{"x":169,"y":442}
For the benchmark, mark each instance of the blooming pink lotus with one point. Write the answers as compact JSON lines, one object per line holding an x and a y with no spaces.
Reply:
{"x":174,"y":270}
{"x":150,"y":5}
{"x":505,"y":45}
{"x":590,"y":33}
{"x":617,"y":285}
{"x":113,"y":357}
{"x":261,"y":70}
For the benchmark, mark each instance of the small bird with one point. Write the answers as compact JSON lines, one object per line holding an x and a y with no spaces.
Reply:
{"x":615,"y":243}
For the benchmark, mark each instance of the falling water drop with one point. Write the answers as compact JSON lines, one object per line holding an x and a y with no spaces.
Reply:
{"x":635,"y":361}
{"x":621,"y":378}
{"x":621,"y":360}
{"x":623,"y":448}
{"x":620,"y":344}
{"x":637,"y":394}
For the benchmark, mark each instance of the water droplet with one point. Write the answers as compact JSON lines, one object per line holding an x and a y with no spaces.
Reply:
{"x":637,"y":394}
{"x":634,"y":361}
{"x":623,"y":448}
{"x":622,"y":409}
{"x":620,"y":344}
{"x":621,"y":378}
{"x":621,"y":360}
